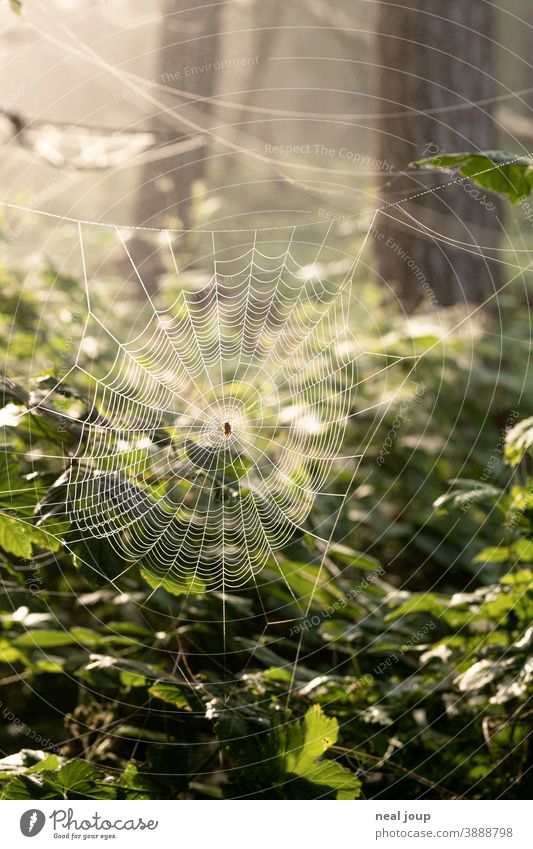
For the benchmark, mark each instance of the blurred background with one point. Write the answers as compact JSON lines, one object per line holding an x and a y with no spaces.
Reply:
{"x":263,"y":112}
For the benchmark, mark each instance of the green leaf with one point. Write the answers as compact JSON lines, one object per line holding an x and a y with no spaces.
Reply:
{"x":132,"y":679}
{"x":503,"y":173}
{"x":521,"y":550}
{"x":333,"y":778}
{"x":354,"y":558}
{"x":46,"y":638}
{"x":14,"y":537}
{"x":494,"y":554}
{"x":17,"y":537}
{"x":85,"y":636}
{"x":75,"y":777}
{"x":43,"y":538}
{"x":136,"y":785}
{"x":301,"y":743}
{"x":173,"y":585}
{"x":8,"y":653}
{"x":419,"y":603}
{"x":49,"y":762}
{"x":16,"y":6}
{"x":170,"y":693}
{"x":21,"y":787}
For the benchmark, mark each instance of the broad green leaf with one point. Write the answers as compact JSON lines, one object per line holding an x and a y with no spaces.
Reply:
{"x":43,"y":538}
{"x":136,"y":784}
{"x":49,"y":762}
{"x":21,"y":787}
{"x":85,"y":636}
{"x":521,"y":550}
{"x":419,"y":603}
{"x":14,"y":537}
{"x":503,"y":173}
{"x":132,"y":679}
{"x":309,"y":581}
{"x":17,"y":537}
{"x":519,"y":578}
{"x":354,"y":558}
{"x":333,"y":778}
{"x":173,"y":585}
{"x":440,"y":607}
{"x":170,"y":693}
{"x":301,"y":743}
{"x":44,"y":639}
{"x":75,"y":777}
{"x":299,"y":746}
{"x":494,"y":554}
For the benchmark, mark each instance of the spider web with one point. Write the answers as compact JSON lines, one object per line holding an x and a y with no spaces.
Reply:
{"x":265,"y":345}
{"x":218,"y":423}
{"x":218,"y":420}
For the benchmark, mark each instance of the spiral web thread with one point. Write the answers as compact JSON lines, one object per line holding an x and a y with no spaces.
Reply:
{"x":216,"y":422}
{"x":252,"y":378}
{"x":220,"y":418}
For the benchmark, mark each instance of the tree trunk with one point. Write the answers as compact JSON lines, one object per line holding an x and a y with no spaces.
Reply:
{"x":431,"y":56}
{"x":187,"y":60}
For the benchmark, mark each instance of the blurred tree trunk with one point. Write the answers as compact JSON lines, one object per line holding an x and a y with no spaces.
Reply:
{"x":431,"y":55}
{"x":189,"y":47}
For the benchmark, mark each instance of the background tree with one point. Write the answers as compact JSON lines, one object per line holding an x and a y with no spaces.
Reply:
{"x":189,"y":48}
{"x":188,"y":52}
{"x":432,"y":87}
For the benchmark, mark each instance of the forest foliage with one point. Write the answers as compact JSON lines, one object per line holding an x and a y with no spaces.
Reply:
{"x":385,"y":687}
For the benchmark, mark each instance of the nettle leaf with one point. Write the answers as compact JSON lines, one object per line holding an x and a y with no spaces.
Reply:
{"x":43,"y":538}
{"x":494,"y":554}
{"x":354,"y":558}
{"x":14,"y":537}
{"x":50,"y":777}
{"x":332,"y":777}
{"x":496,"y":171}
{"x":18,"y":537}
{"x":430,"y":604}
{"x":300,"y":744}
{"x":48,"y":762}
{"x":22,"y":787}
{"x":75,"y":778}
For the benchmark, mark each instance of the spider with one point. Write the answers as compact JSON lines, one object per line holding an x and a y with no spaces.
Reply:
{"x":226,"y":429}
